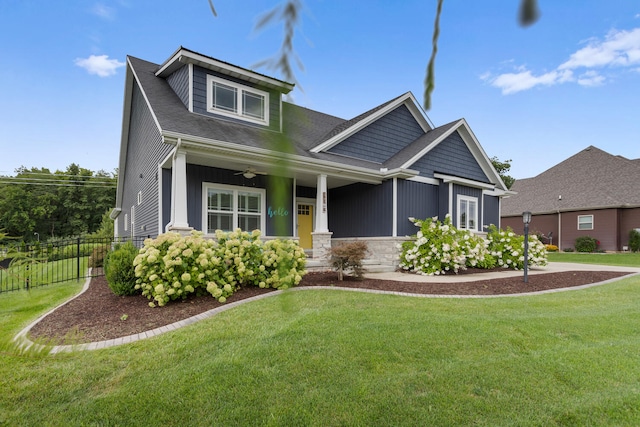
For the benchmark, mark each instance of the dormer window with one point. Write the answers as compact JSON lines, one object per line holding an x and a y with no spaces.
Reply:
{"x":236,"y":100}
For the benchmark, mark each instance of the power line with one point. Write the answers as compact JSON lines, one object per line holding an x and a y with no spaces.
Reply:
{"x":93,"y":181}
{"x":57,"y":175}
{"x":62,"y":184}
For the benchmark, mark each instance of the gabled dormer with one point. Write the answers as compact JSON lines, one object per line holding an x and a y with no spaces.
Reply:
{"x":218,"y":89}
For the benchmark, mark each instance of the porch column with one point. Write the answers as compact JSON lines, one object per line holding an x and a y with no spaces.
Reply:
{"x":321,"y":235}
{"x":179,"y":221}
{"x":322,"y":221}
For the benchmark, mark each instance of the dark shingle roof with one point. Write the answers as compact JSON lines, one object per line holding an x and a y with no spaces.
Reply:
{"x":590,"y":179}
{"x":305,"y":128}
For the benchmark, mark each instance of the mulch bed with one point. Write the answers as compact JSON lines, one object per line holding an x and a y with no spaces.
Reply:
{"x":99,"y":315}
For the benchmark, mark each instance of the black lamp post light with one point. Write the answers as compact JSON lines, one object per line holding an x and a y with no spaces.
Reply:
{"x":526,"y":218}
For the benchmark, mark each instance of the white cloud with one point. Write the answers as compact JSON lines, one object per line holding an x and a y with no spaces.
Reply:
{"x":618,"y":49}
{"x":99,"y":65}
{"x":590,"y":78}
{"x":103,"y":11}
{"x":511,"y":83}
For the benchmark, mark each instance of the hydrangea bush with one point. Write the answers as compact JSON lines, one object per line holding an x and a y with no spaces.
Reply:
{"x":172,"y":266}
{"x":439,"y":247}
{"x":507,"y":248}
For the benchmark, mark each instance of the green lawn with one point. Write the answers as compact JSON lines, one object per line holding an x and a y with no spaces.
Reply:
{"x":328,"y":358}
{"x":624,"y":259}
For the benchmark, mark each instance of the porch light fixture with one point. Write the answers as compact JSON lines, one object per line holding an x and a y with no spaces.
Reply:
{"x":526,"y":219}
{"x":249,"y":175}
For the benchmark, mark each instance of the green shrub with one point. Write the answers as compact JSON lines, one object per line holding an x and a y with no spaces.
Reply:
{"x":586,"y":244}
{"x":439,"y":247}
{"x":508,"y":249}
{"x":634,"y":240}
{"x":119,"y":270}
{"x":171,"y":266}
{"x":96,"y":259}
{"x":349,"y":256}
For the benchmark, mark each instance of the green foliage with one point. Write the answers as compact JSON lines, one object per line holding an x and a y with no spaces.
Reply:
{"x":634,"y":240}
{"x":118,"y":269}
{"x":586,"y":244}
{"x":96,"y":259}
{"x":439,"y":247}
{"x":61,"y":203}
{"x":349,"y":256}
{"x":171,"y":266}
{"x":507,"y":248}
{"x":105,"y":230}
{"x":503,"y":167}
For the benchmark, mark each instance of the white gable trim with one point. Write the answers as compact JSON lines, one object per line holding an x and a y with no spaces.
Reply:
{"x":408,"y":99}
{"x":183,"y":56}
{"x":131,"y":79}
{"x":464,"y":181}
{"x":424,"y":180}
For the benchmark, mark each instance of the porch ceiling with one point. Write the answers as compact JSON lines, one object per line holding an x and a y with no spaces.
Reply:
{"x":305,"y":175}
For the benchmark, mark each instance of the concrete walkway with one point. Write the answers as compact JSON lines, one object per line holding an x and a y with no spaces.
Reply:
{"x":24,"y":343}
{"x":554,"y":267}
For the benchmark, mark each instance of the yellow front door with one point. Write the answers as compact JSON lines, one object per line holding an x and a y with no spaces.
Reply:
{"x":305,"y":225}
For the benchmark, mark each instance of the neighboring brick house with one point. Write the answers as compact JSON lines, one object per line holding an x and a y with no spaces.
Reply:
{"x":592,"y":193}
{"x":202,"y":140}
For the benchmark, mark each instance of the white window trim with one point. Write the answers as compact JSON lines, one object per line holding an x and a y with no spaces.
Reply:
{"x":236,"y":189}
{"x":586,"y":216}
{"x":458,"y":212}
{"x":239,"y":100}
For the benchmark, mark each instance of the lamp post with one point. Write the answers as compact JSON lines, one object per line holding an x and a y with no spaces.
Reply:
{"x":526,"y":218}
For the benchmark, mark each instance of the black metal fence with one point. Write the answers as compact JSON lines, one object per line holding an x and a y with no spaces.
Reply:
{"x":24,"y":266}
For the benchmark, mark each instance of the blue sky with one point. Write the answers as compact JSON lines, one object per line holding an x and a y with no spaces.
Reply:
{"x":535,"y":95}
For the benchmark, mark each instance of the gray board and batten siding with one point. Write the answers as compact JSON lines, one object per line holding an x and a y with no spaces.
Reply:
{"x":179,"y":82}
{"x":451,"y":157}
{"x":361,"y":210}
{"x":382,"y":139}
{"x":200,"y":98}
{"x":145,"y":150}
{"x":491,"y":205}
{"x":417,"y":200}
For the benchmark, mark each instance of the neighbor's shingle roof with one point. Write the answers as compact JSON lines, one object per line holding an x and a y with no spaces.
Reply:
{"x":590,"y":179}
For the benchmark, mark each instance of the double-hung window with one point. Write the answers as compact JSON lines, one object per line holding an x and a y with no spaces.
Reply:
{"x":235,"y":100}
{"x":467,"y":213}
{"x":227,"y":208}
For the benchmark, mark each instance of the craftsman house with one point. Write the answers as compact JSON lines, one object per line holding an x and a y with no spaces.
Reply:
{"x":209,"y":145}
{"x":592,"y":193}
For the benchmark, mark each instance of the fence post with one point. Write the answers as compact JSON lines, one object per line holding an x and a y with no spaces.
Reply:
{"x":78,"y":260}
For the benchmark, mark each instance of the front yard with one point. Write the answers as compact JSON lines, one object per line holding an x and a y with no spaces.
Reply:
{"x":329,"y":357}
